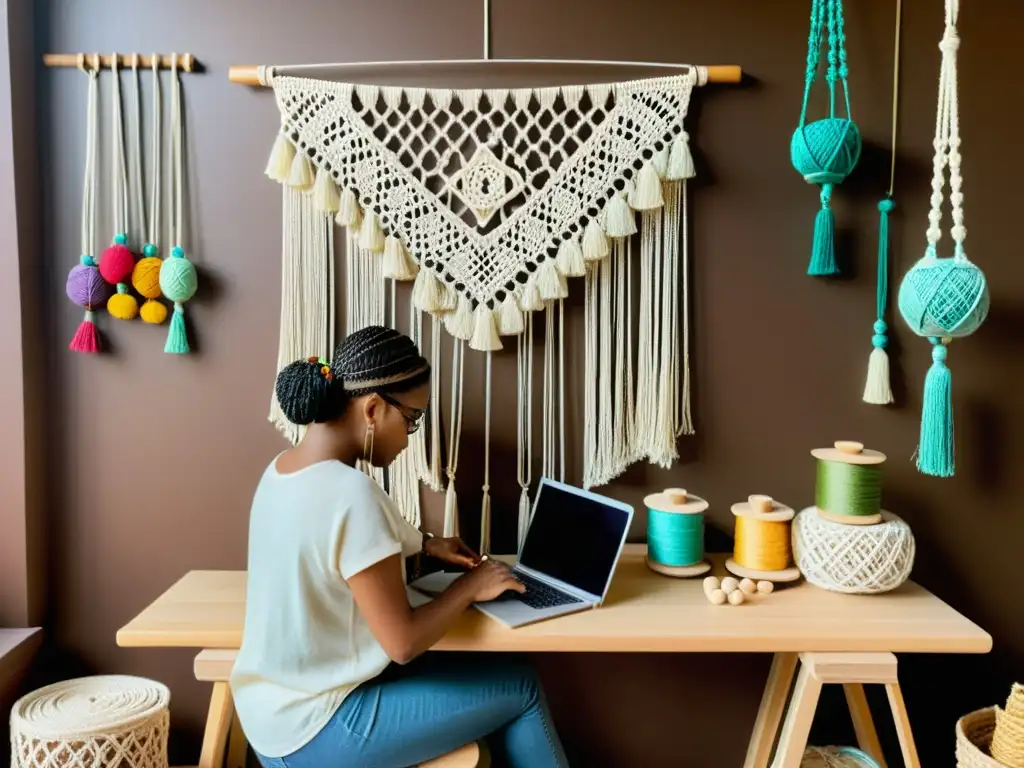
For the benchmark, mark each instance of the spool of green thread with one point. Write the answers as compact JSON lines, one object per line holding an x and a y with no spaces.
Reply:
{"x":848,"y":489}
{"x":675,"y":539}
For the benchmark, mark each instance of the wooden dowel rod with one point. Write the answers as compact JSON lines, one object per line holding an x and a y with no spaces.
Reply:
{"x":186,"y":61}
{"x":248,"y":74}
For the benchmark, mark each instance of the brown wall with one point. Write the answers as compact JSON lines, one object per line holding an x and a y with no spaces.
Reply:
{"x":152,"y":458}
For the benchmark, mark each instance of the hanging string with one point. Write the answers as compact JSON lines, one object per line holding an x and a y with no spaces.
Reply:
{"x":877,"y":386}
{"x":434,"y":480}
{"x":524,"y":426}
{"x":451,"y":506}
{"x":85,"y":285}
{"x":137,"y":237}
{"x":178,"y":279}
{"x":561,"y":390}
{"x":485,"y":502}
{"x":119,"y":171}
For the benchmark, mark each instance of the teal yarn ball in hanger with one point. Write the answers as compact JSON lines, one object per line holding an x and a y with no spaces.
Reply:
{"x":178,"y":278}
{"x":946,"y":298}
{"x":826,"y":151}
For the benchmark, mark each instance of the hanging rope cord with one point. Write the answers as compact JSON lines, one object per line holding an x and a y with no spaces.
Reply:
{"x":883,"y":267}
{"x":154,"y":200}
{"x":119,"y":167}
{"x":88,"y":230}
{"x":175,"y":218}
{"x":137,"y":187}
{"x":837,"y":68}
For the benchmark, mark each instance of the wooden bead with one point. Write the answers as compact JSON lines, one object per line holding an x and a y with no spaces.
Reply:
{"x":736,"y":597}
{"x":765,"y":587}
{"x":748,"y":586}
{"x":711,"y":583}
{"x":717,"y":597}
{"x":729,"y":585}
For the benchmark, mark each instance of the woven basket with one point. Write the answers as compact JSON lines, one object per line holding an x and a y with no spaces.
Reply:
{"x":110,"y":721}
{"x":973,"y":737}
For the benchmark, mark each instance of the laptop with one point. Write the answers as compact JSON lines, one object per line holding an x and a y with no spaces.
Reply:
{"x":572,"y":546}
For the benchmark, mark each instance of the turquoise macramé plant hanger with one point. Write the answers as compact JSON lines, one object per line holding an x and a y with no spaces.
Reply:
{"x":825,"y":151}
{"x":943,"y":298}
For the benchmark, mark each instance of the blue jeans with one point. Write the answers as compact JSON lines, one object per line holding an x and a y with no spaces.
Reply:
{"x":434,"y":705}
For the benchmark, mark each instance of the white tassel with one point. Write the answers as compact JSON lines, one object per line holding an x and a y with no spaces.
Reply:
{"x":460,"y":323}
{"x":449,"y":298}
{"x":510,"y":317}
{"x":371,"y":236}
{"x":530,"y":300}
{"x":428,"y":292}
{"x":398,"y":264}
{"x":680,"y":161}
{"x":349,"y":212}
{"x":485,"y":522}
{"x":451,"y":511}
{"x":300,"y":176}
{"x":660,"y":161}
{"x":279,"y":165}
{"x":524,"y":516}
{"x":595,"y":242}
{"x":550,"y":282}
{"x":876,"y":389}
{"x":570,"y":259}
{"x":485,"y":331}
{"x":647,"y":192}
{"x":619,"y":220}
{"x":325,"y":193}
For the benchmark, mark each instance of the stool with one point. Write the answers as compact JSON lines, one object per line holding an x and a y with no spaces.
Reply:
{"x":92,"y":722}
{"x":224,"y":731}
{"x":853,"y":671}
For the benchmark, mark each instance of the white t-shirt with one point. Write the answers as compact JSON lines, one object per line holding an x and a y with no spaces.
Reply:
{"x":305,"y":645}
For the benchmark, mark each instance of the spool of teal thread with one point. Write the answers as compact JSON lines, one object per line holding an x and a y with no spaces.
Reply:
{"x":675,"y":533}
{"x":675,"y":539}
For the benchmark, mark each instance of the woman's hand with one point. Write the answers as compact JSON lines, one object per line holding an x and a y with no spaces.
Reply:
{"x":453,"y":550}
{"x":489,"y":580}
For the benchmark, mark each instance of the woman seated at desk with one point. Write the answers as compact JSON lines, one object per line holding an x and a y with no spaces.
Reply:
{"x":330,"y":671}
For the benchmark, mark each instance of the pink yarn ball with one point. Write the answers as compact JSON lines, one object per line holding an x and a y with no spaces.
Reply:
{"x":117,"y":263}
{"x":86,"y":287}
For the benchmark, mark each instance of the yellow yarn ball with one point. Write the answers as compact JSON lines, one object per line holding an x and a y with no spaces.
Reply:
{"x":153,"y":312}
{"x":146,"y":278}
{"x":123,"y":306}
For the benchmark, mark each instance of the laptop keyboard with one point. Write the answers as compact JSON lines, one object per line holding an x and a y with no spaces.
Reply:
{"x":538,"y":594}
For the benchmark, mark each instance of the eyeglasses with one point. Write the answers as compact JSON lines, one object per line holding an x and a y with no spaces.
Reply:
{"x":413,"y":416}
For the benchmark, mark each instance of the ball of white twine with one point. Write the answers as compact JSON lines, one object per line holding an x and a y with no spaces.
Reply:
{"x":854,"y":559}
{"x":101,"y":720}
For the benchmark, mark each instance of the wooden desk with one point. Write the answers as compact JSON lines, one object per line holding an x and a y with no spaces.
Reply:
{"x":644,"y":612}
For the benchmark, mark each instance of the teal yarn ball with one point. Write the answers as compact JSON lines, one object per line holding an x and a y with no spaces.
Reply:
{"x":826,"y":151}
{"x":944,"y":297}
{"x":178,"y":279}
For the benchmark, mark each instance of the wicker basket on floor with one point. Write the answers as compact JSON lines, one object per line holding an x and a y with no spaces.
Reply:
{"x":108,"y":721}
{"x":973,"y":739}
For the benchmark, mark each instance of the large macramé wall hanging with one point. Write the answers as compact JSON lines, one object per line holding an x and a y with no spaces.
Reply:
{"x":492,"y":201}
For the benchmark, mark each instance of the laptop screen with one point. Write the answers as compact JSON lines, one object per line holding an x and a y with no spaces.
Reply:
{"x":574,"y":538}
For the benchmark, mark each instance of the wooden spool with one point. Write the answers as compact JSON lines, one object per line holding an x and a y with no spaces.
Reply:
{"x":677,"y":501}
{"x":766,"y":509}
{"x":849,"y":452}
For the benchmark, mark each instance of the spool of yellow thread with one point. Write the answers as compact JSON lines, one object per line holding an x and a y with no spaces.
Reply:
{"x":763,"y":550}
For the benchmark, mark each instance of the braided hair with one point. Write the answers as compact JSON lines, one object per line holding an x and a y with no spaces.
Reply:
{"x":373,"y":359}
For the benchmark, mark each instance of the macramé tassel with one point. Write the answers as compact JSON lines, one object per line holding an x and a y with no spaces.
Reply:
{"x":570,"y":259}
{"x":551,"y":282}
{"x":485,"y":331}
{"x":451,"y":510}
{"x":177,"y":337}
{"x":680,"y":160}
{"x":595,"y":242}
{"x":371,"y":236}
{"x":460,"y":323}
{"x":301,"y":174}
{"x":877,"y":389}
{"x":660,"y":162}
{"x":619,"y":219}
{"x":935,"y":452}
{"x":823,"y":251}
{"x":87,"y":337}
{"x":510,"y":317}
{"x":647,"y":192}
{"x":530,"y":299}
{"x":524,"y":516}
{"x":428,"y":292}
{"x":279,"y":165}
{"x":325,"y":193}
{"x":349,"y":212}
{"x":398,"y":264}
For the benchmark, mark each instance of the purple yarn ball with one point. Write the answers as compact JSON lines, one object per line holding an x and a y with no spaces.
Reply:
{"x":87,"y":288}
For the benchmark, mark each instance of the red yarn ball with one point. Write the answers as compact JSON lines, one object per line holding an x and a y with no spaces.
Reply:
{"x":117,"y":263}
